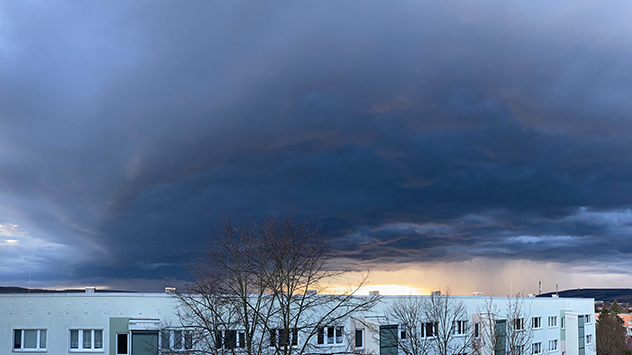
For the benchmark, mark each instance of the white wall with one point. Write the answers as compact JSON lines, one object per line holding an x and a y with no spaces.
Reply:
{"x":60,"y":312}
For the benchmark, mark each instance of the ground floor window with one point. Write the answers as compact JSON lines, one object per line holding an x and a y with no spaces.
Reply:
{"x":330,"y":335}
{"x":278,"y":337}
{"x":86,"y":339}
{"x":402,"y":331}
{"x":553,"y":345}
{"x":429,"y":329}
{"x":460,"y":327}
{"x":29,"y":339}
{"x":176,"y":339}
{"x":230,"y":339}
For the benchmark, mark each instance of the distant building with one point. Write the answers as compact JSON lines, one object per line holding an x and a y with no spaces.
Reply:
{"x":142,"y":324}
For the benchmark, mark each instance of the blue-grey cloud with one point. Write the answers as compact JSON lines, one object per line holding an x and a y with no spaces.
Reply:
{"x":408,"y":131}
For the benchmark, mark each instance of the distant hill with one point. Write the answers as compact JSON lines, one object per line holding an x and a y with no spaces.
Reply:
{"x":599,"y":294}
{"x":12,"y":289}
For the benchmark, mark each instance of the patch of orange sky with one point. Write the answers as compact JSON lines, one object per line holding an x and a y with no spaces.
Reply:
{"x":491,"y":277}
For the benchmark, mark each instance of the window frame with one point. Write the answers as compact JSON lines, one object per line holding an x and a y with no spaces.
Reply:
{"x":587,"y":319}
{"x":459,"y":328}
{"x":322,"y":336}
{"x":171,"y":333}
{"x":240,"y":339}
{"x":589,"y":339}
{"x":553,"y":320}
{"x":403,"y":331}
{"x":38,"y":340}
{"x":536,"y":322}
{"x":275,"y":339}
{"x":80,"y":341}
{"x":355,"y":339}
{"x":536,"y":348}
{"x":555,"y":342}
{"x":519,"y":324}
{"x":429,"y":325}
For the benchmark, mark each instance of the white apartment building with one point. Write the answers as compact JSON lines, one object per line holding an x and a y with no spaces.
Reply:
{"x":124,"y":323}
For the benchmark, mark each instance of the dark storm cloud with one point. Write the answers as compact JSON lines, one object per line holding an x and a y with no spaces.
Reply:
{"x":127,"y":130}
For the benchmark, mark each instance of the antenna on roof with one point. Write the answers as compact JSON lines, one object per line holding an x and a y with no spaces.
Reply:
{"x":556,"y":291}
{"x":29,"y":282}
{"x":539,"y":287}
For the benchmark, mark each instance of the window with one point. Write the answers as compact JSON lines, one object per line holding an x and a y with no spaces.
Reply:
{"x":279,"y":338}
{"x":537,"y":348}
{"x":588,"y":318}
{"x":477,"y":330}
{"x":518,"y":323}
{"x":536,"y":322}
{"x":429,"y":329}
{"x":553,"y":345}
{"x":224,"y":339}
{"x":330,"y":335}
{"x":29,"y":339}
{"x":562,"y":323}
{"x":86,"y":340}
{"x":460,"y":327}
{"x":121,"y":344}
{"x":589,"y":339}
{"x":553,"y":321}
{"x":359,"y":338}
{"x":402,"y":331}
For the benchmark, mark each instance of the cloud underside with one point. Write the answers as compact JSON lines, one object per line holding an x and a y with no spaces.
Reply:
{"x":437,"y":132}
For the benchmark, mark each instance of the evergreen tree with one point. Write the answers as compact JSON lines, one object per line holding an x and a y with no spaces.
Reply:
{"x":611,"y":338}
{"x":615,"y":310}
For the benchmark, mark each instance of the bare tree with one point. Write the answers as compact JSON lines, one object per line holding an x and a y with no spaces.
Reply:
{"x":504,"y":333}
{"x":519,"y":327}
{"x":260,"y":291}
{"x":299,"y":267}
{"x":409,"y":312}
{"x":227,"y":299}
{"x":436,"y":324}
{"x":484,"y":342}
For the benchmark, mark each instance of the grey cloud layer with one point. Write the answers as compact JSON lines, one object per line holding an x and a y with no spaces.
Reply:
{"x":126,"y":130}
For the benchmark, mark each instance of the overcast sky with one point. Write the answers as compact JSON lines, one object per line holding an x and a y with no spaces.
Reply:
{"x":441,"y":143}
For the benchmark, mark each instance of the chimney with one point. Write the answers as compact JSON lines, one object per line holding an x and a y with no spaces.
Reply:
{"x":90,"y":289}
{"x":374,"y":293}
{"x":312,"y":292}
{"x":435,"y":293}
{"x":170,"y":290}
{"x":477,"y":293}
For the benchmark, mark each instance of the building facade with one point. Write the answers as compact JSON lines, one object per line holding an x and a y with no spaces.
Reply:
{"x":141,"y":324}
